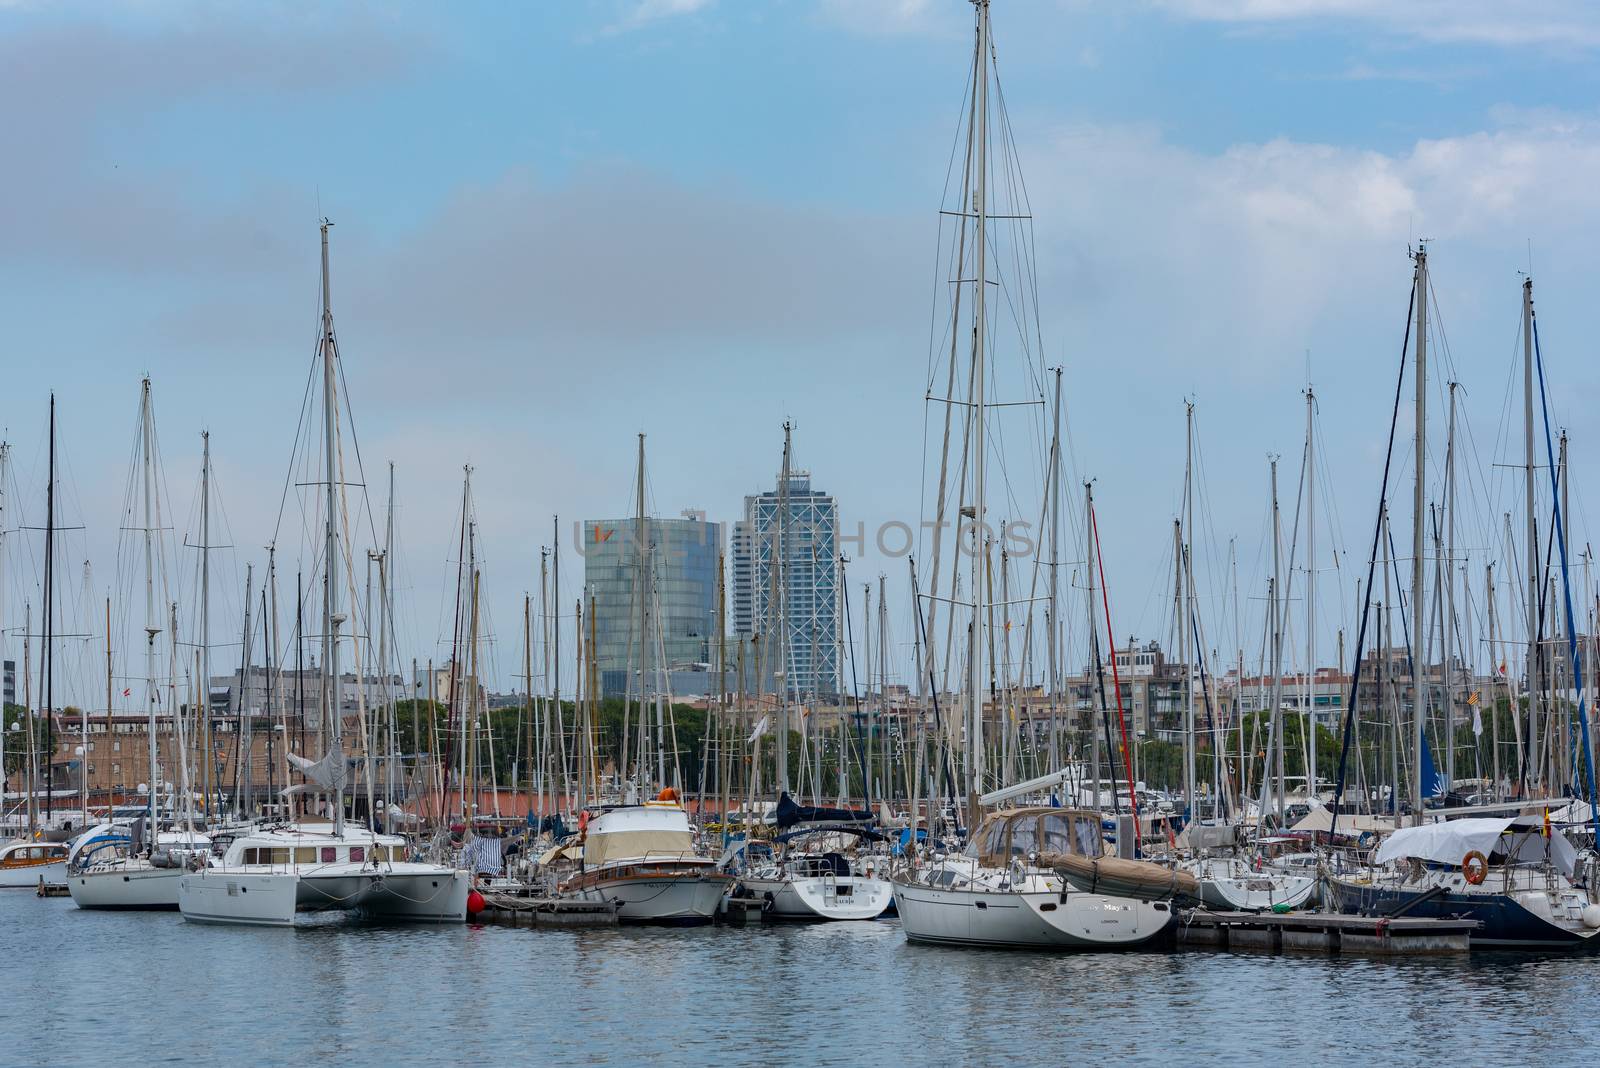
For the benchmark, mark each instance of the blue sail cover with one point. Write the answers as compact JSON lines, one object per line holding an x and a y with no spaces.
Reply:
{"x":1434,"y":783}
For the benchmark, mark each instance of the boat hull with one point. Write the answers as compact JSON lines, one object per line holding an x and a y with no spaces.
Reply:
{"x":1232,"y":886}
{"x":27,"y":876}
{"x":820,"y":897}
{"x":1505,"y":921}
{"x":1030,"y":920}
{"x":684,"y":898}
{"x":131,"y":887}
{"x":407,"y":893}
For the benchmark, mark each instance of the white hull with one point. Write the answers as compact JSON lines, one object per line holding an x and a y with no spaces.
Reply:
{"x":681,"y":899}
{"x":1034,"y":919}
{"x":417,"y":893}
{"x":28,"y":878}
{"x":1229,"y":884}
{"x":819,"y":897}
{"x":134,"y":885}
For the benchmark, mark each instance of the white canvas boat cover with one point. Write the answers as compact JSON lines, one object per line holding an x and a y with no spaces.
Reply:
{"x":1320,"y":819}
{"x":1523,"y":838}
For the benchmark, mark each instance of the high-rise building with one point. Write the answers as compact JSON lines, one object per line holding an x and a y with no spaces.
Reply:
{"x":8,"y":689}
{"x":805,"y":522}
{"x":683,"y":557}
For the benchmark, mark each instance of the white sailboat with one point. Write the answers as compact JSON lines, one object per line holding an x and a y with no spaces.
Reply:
{"x":109,"y":870}
{"x":1017,"y":882}
{"x":272,"y":875}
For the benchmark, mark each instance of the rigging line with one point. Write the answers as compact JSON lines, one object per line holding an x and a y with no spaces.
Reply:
{"x":1566,"y":585}
{"x":1116,"y":682}
{"x":1372,"y":565}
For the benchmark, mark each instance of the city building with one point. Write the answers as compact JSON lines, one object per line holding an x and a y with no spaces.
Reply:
{"x":8,"y":686}
{"x":683,"y":558}
{"x":799,"y":525}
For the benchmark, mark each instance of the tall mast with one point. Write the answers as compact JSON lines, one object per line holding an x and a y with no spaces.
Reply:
{"x":1186,"y":587}
{"x":332,"y":616}
{"x":1311,"y":599}
{"x":152,"y":625}
{"x":1530,"y":519}
{"x":1094,"y":651}
{"x":204,"y":701}
{"x":46,"y":652}
{"x":980,"y":210}
{"x":1449,"y":577}
{"x":1418,"y":523}
{"x":1055,"y":567}
{"x":780,"y":582}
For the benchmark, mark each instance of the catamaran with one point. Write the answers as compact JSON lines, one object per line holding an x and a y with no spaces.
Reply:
{"x":270,"y":875}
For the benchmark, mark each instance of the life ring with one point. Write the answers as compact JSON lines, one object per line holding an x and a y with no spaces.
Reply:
{"x":1475,"y":867}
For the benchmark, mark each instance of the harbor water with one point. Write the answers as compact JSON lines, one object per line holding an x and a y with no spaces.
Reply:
{"x":85,"y":988}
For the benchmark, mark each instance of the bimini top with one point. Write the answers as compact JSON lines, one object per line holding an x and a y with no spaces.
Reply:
{"x":1521,"y":838}
{"x":1015,"y":833}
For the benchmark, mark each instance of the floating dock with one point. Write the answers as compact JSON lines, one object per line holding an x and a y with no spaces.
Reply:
{"x":1324,"y":932}
{"x":518,"y":910}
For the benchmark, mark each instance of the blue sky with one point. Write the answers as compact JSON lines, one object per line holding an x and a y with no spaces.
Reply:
{"x":558,"y":225}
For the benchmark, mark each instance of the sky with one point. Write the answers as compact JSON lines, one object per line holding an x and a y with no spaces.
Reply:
{"x":557,"y":226}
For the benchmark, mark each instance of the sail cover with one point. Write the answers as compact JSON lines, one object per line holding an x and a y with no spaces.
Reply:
{"x":1522,"y":838}
{"x":790,"y":813}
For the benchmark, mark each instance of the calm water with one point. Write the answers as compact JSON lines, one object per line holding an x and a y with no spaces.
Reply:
{"x":109,"y":989}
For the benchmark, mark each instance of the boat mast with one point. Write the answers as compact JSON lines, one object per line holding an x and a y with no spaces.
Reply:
{"x":1531,"y":534}
{"x":1418,"y":523}
{"x":780,"y":583}
{"x":46,"y":651}
{"x":1186,"y":585}
{"x":1449,"y":577}
{"x":980,"y":210}
{"x":1310,"y":721}
{"x":1097,"y":709}
{"x":332,"y":617}
{"x":204,"y":703}
{"x":1055,"y":566}
{"x":152,"y":626}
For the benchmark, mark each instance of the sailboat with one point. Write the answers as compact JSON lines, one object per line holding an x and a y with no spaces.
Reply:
{"x":270,"y":875}
{"x":1027,"y":876}
{"x":108,"y":870}
{"x":1516,"y":876}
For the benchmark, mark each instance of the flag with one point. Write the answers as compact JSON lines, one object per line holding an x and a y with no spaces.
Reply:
{"x":1477,"y":721}
{"x":761,"y":728}
{"x":127,"y":692}
{"x":1472,"y":698}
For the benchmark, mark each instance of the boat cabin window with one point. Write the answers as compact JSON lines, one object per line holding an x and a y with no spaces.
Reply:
{"x":988,"y":840}
{"x":358,"y":854}
{"x":1024,"y":837}
{"x":1086,"y":836}
{"x":1055,"y":834}
{"x":329,"y":854}
{"x":265,"y":855}
{"x":305,"y":854}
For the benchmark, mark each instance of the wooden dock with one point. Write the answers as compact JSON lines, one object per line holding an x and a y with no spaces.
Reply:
{"x":1323,"y":932}
{"x":521,"y":910}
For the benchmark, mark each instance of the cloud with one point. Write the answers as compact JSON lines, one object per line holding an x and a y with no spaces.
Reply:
{"x":65,"y":197}
{"x":1558,"y":23}
{"x":1257,"y":250}
{"x":888,"y":17}
{"x":646,"y":12}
